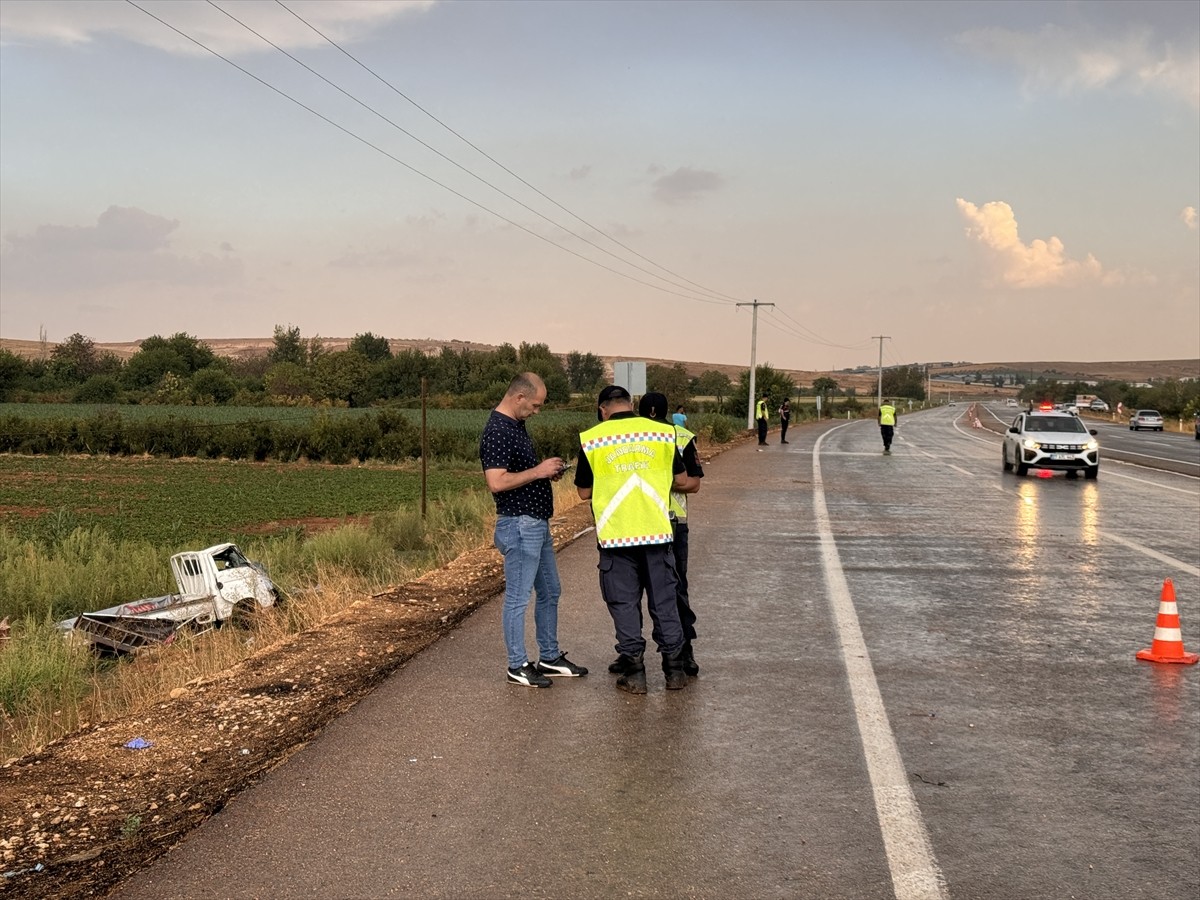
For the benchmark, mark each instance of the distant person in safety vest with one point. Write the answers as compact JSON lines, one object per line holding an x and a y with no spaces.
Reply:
{"x":628,"y":466}
{"x":887,"y":425}
{"x":760,"y":415}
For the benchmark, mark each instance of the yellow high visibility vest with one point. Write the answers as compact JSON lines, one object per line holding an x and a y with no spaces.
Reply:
{"x":679,"y":500}
{"x":760,"y":410}
{"x":887,"y":414}
{"x":633,"y":464}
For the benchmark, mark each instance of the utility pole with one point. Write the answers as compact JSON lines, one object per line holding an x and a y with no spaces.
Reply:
{"x":753,"y":352}
{"x":881,"y":338}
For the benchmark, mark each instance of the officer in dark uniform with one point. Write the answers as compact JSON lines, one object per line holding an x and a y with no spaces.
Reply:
{"x":627,"y":468}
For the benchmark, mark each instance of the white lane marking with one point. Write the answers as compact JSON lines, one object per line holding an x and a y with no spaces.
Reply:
{"x":1178,"y":462}
{"x":1153,"y":554}
{"x":963,"y":471}
{"x":914,"y":869}
{"x":1165,"y":487}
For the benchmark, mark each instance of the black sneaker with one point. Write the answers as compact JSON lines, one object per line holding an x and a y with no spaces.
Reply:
{"x":560,"y":667}
{"x":529,"y":676}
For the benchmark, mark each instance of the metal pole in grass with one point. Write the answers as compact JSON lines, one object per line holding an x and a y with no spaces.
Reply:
{"x":424,"y":444}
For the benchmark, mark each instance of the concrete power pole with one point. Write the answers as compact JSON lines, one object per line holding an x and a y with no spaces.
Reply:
{"x":881,"y":338}
{"x":753,"y":352}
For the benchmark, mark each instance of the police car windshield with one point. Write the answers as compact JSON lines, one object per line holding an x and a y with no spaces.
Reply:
{"x":1064,"y":424}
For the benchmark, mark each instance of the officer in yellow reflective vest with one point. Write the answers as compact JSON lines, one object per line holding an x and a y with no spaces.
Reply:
{"x":760,"y":416}
{"x":627,"y":468}
{"x":654,"y":406}
{"x":887,"y":424}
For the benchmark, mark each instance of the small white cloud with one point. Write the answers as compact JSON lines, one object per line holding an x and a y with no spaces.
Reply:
{"x":82,"y":21}
{"x":1058,"y":59}
{"x":1188,"y":215}
{"x":685,"y":184}
{"x":1036,"y":264}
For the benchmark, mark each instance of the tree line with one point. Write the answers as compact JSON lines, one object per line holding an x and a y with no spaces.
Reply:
{"x":297,"y":371}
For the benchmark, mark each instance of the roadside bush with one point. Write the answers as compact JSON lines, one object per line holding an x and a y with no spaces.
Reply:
{"x":98,"y":389}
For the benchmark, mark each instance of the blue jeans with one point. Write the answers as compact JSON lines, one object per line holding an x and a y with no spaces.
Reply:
{"x":529,"y":565}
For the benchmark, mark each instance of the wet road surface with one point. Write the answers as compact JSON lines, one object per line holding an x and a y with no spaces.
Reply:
{"x":917,"y":679}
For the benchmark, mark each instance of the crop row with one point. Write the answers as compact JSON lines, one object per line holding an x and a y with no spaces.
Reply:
{"x":386,"y":434}
{"x":185,"y":503}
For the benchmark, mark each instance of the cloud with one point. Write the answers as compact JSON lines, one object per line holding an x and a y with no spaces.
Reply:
{"x":126,"y":245}
{"x":1058,"y":59}
{"x":386,"y":258}
{"x":1036,"y":264}
{"x":580,"y":173}
{"x":685,"y":184}
{"x":1188,"y":215}
{"x":78,"y":22}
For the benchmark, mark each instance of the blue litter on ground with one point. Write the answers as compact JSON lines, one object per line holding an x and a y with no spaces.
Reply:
{"x":139,"y":744}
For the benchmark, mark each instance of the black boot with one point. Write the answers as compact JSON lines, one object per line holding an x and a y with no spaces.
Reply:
{"x":673,"y":664}
{"x":633,"y":679}
{"x":622,"y":664}
{"x":689,"y":661}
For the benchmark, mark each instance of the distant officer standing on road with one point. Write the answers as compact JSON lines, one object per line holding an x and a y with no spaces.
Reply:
{"x":654,"y":406}
{"x":520,"y":485}
{"x":761,"y":414}
{"x":785,"y":416}
{"x":887,"y":424}
{"x":627,"y":468}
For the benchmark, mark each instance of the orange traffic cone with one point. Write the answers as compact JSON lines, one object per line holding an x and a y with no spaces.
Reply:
{"x":1168,"y":639}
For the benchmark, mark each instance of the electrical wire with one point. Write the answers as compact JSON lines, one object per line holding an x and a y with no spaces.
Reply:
{"x":454,"y":162}
{"x":493,"y":160}
{"x":417,"y":171}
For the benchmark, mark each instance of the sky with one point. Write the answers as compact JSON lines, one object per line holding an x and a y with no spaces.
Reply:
{"x":972,"y":181}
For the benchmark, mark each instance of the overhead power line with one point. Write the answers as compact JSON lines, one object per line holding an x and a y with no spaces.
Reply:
{"x":417,"y":171}
{"x":452,"y":161}
{"x":495,"y":161}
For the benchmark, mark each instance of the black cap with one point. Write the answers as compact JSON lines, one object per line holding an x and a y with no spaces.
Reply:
{"x":612,"y":392}
{"x":653,"y":406}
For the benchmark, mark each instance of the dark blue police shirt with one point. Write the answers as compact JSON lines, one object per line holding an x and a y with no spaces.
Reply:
{"x":505,"y":444}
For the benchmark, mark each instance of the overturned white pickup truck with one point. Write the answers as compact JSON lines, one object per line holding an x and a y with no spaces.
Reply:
{"x":215,"y":585}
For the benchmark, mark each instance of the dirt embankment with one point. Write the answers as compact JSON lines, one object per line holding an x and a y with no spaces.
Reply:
{"x":84,"y":812}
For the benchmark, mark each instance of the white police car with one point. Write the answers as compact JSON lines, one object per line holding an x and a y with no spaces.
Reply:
{"x":1047,"y":439}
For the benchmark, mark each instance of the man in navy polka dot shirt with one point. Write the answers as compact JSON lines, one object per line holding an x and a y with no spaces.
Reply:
{"x":524,"y":499}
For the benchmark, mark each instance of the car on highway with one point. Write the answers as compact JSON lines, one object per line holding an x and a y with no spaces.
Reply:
{"x":1010,"y":402}
{"x":1098,"y":405}
{"x":1047,"y":438}
{"x":1146,"y":418}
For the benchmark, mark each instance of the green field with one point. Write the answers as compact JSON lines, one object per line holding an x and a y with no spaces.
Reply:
{"x":196,"y":503}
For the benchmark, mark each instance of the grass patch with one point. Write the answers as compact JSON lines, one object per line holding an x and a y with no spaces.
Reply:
{"x":50,"y":685}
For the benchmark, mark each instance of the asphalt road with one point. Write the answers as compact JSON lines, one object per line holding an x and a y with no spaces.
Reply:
{"x":917,"y":680}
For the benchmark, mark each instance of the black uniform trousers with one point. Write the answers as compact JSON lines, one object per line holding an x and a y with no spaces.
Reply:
{"x":687,"y":618}
{"x":886,"y":432}
{"x":626,"y":572}
{"x":762,"y":431}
